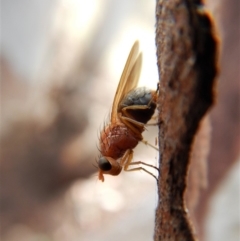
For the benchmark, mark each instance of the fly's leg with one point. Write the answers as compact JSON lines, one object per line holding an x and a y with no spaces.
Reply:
{"x":134,"y":107}
{"x":143,"y":163}
{"x":155,"y":123}
{"x":127,"y":157}
{"x":132,"y":125}
{"x":142,"y":168}
{"x":152,"y":124}
{"x":139,"y":107}
{"x":148,"y":144}
{"x":126,"y":162}
{"x":135,"y":126}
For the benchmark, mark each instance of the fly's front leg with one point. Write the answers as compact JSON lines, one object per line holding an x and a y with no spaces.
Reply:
{"x":141,"y":169}
{"x":127,"y":157}
{"x":126,"y":162}
{"x":143,"y":163}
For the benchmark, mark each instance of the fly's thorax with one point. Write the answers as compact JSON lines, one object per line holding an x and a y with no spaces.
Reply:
{"x":116,"y":138}
{"x":141,"y":96}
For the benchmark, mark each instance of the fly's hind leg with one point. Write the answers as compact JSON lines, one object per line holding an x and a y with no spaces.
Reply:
{"x":139,"y":107}
{"x":137,"y":128}
{"x":134,"y":107}
{"x":126,"y":162}
{"x":154,"y":123}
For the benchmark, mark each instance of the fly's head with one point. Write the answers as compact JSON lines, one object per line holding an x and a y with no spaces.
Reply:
{"x":108,"y":165}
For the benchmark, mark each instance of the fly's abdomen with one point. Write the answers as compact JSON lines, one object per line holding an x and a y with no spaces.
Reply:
{"x":141,"y":96}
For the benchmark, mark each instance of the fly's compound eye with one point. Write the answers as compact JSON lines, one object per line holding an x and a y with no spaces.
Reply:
{"x":104,"y":164}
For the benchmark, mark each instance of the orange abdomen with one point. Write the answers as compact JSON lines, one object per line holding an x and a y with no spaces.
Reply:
{"x":115,"y":139}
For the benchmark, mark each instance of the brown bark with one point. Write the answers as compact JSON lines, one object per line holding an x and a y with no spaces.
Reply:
{"x":187,"y":55}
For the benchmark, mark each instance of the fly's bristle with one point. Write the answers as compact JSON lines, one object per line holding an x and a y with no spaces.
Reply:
{"x":98,"y":147}
{"x":106,"y":120}
{"x":98,"y":135}
{"x":95,"y":165}
{"x":109,"y":116}
{"x":100,"y":128}
{"x":104,"y":124}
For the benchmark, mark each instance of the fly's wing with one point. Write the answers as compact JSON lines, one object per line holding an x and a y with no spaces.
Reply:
{"x":133,"y":77}
{"x":129,"y":78}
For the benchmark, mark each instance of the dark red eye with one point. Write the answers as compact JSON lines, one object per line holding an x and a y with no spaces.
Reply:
{"x":104,"y":164}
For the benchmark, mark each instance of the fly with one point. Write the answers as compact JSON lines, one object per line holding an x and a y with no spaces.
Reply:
{"x":131,"y":110}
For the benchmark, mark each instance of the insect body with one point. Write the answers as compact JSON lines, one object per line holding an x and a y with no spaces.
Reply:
{"x":132,"y":109}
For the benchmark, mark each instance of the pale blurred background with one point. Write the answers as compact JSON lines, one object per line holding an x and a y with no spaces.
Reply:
{"x":61,"y":62}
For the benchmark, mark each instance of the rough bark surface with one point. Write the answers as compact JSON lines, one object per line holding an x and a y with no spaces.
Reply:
{"x":187,"y":56}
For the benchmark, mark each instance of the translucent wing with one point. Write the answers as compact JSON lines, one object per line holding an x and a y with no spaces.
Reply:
{"x":133,"y":77}
{"x":129,"y":78}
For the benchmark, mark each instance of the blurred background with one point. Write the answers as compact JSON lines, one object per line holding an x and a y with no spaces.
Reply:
{"x":61,"y":61}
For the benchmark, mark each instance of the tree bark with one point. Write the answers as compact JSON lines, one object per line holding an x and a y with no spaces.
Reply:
{"x":187,"y":61}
